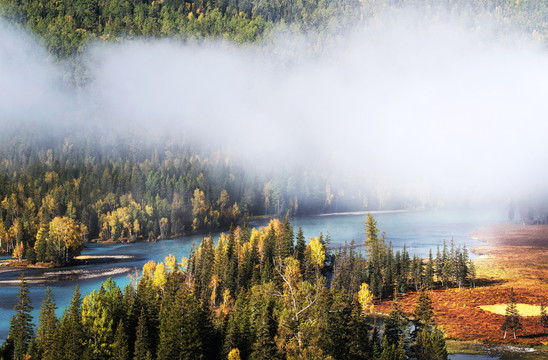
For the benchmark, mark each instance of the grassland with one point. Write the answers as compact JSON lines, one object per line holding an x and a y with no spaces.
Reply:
{"x":513,"y":256}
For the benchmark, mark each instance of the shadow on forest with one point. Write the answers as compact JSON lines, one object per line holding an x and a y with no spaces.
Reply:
{"x":489,"y":282}
{"x":533,"y":336}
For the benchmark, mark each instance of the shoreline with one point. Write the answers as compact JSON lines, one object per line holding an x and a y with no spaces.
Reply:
{"x":75,"y":271}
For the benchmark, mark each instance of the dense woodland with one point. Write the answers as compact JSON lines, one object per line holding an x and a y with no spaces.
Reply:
{"x":256,"y":294}
{"x":56,"y":192}
{"x":67,"y":26}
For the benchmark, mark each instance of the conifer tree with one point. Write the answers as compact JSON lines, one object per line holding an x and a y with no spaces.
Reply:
{"x":300,"y":247}
{"x":120,"y":350}
{"x":543,"y":317}
{"x":423,"y":313}
{"x":396,"y":324}
{"x":392,"y":351}
{"x":71,"y":329}
{"x":21,"y":327}
{"x":142,"y":341}
{"x":438,"y":343}
{"x":360,"y":344}
{"x":286,"y":248}
{"x":47,"y":338}
{"x":264,"y":346}
{"x":429,"y":272}
{"x":512,"y":320}
{"x":179,"y":328}
{"x":472,"y":273}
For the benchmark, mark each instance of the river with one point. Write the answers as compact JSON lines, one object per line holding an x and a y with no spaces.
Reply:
{"x":418,"y":230}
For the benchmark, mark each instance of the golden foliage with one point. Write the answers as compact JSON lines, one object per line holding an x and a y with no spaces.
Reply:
{"x":365,"y":298}
{"x":234,"y":354}
{"x":317,"y":251}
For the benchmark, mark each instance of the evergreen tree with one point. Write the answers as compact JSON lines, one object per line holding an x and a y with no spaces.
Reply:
{"x":429,"y":272}
{"x":392,"y":351}
{"x":424,"y":312}
{"x":472,"y":272}
{"x":47,"y":337}
{"x":543,"y":317}
{"x":120,"y":350}
{"x":360,"y":345}
{"x":512,"y":320}
{"x":71,"y":329}
{"x":438,"y":343}
{"x":336,"y":332}
{"x":300,"y":247}
{"x":286,"y":248}
{"x":430,"y":344}
{"x":264,"y":346}
{"x":21,"y":327}
{"x":142,"y":341}
{"x":396,"y":324}
{"x":179,"y":328}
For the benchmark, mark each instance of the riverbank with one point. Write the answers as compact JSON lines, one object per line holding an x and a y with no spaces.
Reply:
{"x":77,"y":270}
{"x":512,"y":257}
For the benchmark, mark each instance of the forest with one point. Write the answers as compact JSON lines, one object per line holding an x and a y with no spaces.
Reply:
{"x":59,"y":191}
{"x":67,"y":26}
{"x":256,"y":294}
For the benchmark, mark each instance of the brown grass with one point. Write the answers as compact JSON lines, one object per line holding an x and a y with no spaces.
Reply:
{"x":515,"y":256}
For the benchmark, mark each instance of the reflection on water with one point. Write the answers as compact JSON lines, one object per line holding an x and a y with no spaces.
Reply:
{"x":419,"y":231}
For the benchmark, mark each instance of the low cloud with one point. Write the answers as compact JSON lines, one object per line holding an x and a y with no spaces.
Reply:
{"x":407,"y":100}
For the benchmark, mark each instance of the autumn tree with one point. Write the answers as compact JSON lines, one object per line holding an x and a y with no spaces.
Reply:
{"x":65,"y":236}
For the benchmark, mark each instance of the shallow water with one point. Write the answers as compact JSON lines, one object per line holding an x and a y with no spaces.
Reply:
{"x":420,"y":231}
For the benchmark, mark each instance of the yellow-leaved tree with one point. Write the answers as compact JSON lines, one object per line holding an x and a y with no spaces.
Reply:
{"x":65,"y":236}
{"x":365,"y":298}
{"x":234,"y":354}
{"x":317,"y":252}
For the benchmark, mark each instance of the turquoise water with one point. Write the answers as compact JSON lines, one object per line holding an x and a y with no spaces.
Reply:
{"x":419,"y":231}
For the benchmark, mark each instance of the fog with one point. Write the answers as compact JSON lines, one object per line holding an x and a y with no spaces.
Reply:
{"x":407,"y":100}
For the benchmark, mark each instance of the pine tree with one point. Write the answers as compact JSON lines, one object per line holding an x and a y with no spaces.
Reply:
{"x":336,"y":332}
{"x":392,"y":351}
{"x":264,"y":346}
{"x":300,"y":247}
{"x":180,"y":336}
{"x":429,"y":272}
{"x":120,"y":350}
{"x":21,"y":327}
{"x":142,"y":341}
{"x":543,"y":317}
{"x":430,"y":344}
{"x":71,"y":329}
{"x":512,"y":320}
{"x":438,"y":344}
{"x":286,"y":249}
{"x":396,"y":324}
{"x":472,"y":273}
{"x":47,"y":337}
{"x":424,"y":312}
